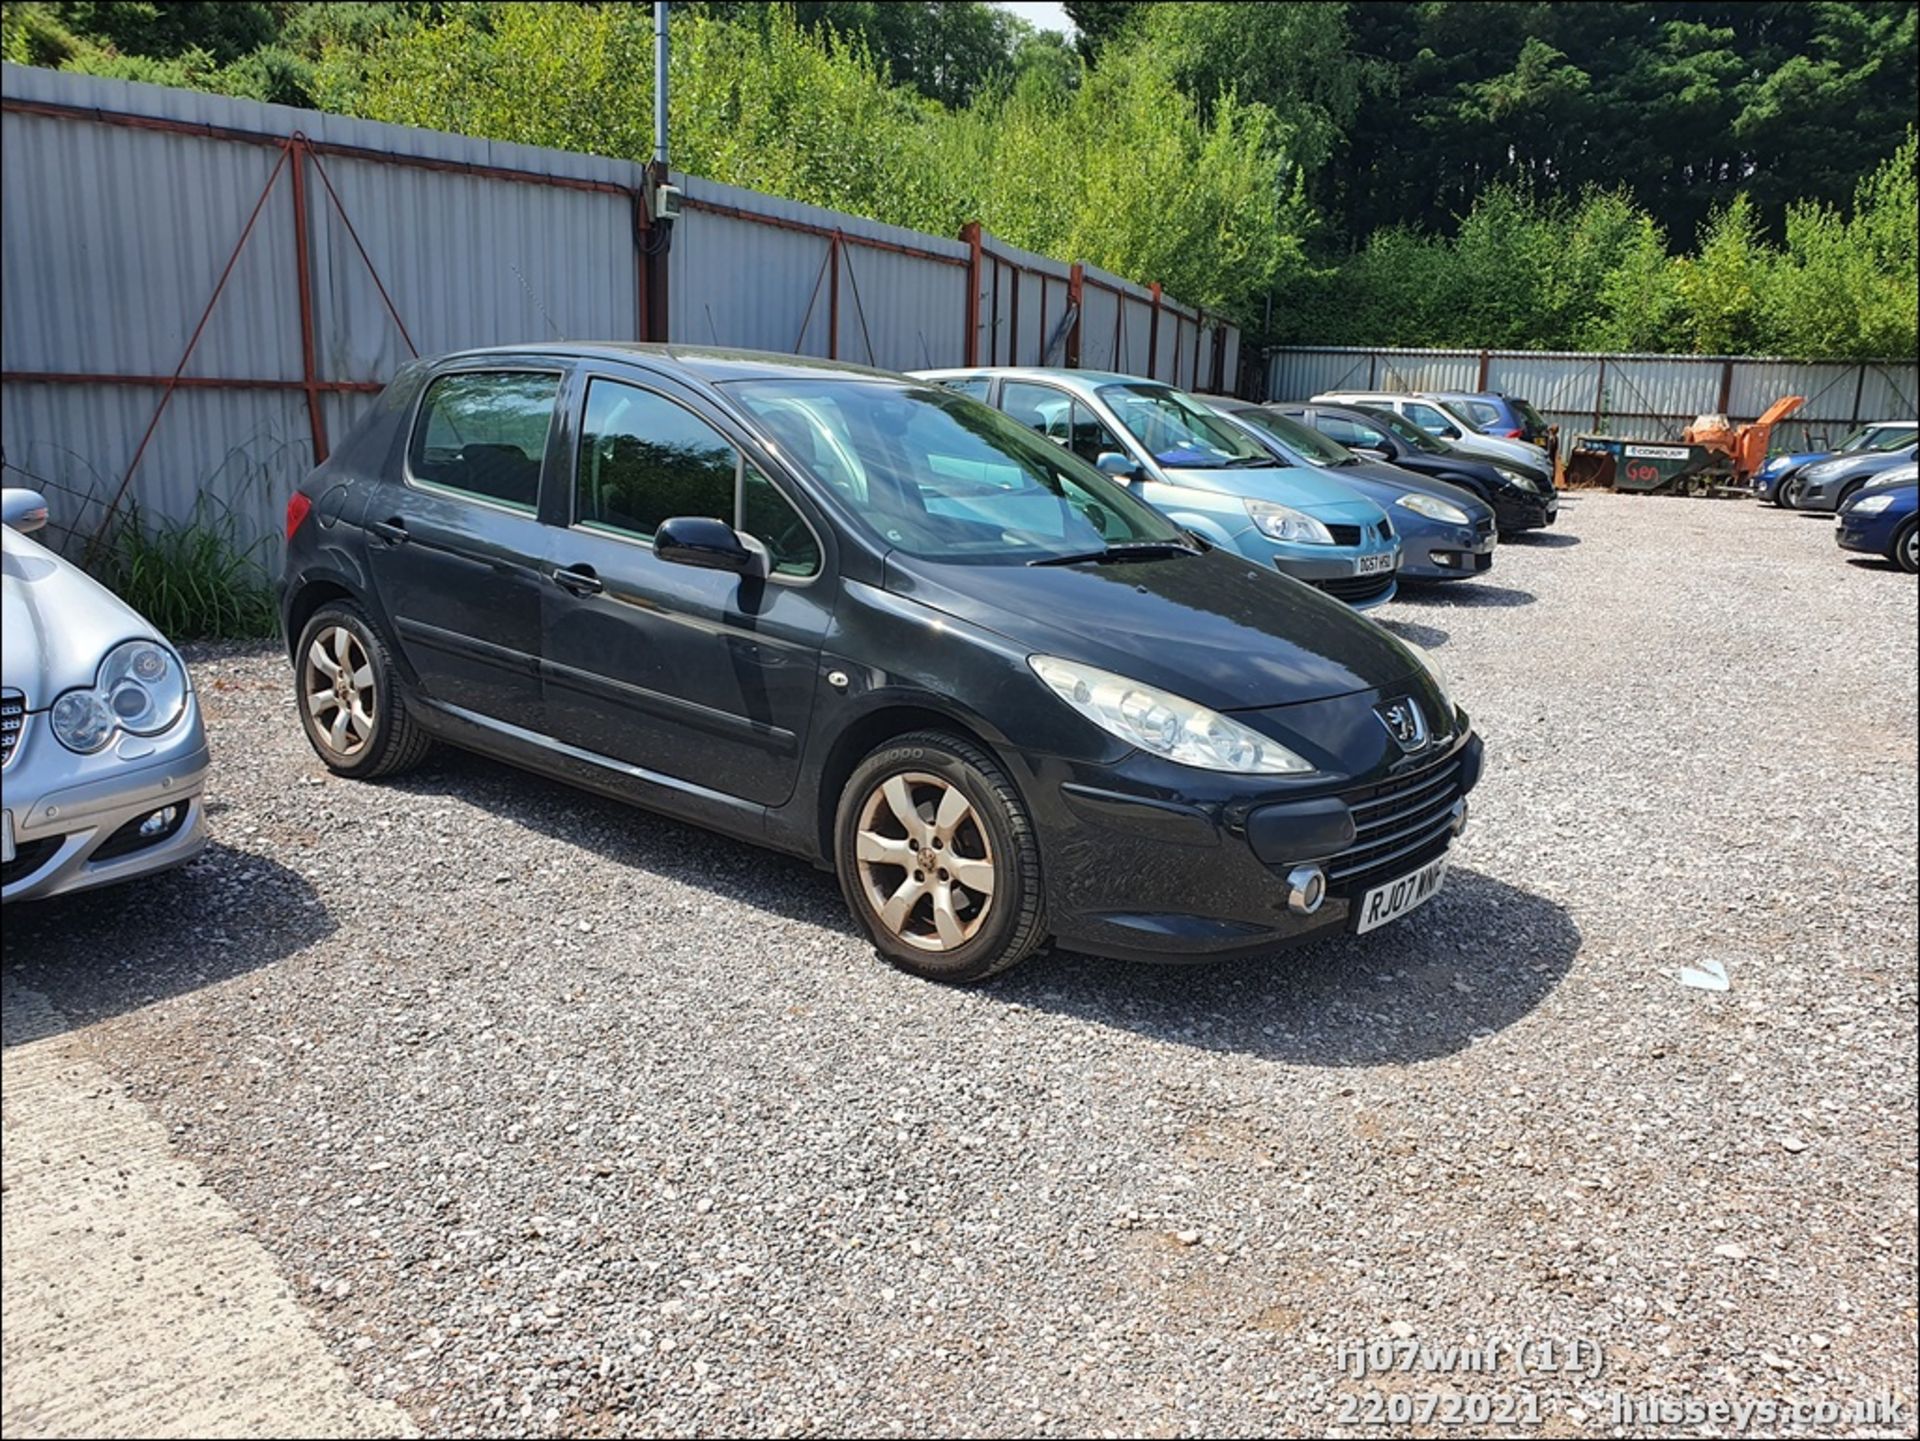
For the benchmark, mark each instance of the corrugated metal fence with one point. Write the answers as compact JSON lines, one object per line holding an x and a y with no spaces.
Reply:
{"x":1656,"y":396}
{"x":198,"y":292}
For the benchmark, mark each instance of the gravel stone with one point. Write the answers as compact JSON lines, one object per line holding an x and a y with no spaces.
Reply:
{"x":562,"y":1117}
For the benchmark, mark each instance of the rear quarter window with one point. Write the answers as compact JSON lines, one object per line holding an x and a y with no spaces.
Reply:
{"x":484,"y":434}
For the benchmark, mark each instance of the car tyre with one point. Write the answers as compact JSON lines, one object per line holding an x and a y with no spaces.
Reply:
{"x":348,"y":694}
{"x":938,"y":860}
{"x":1906,"y":547}
{"x":1780,"y":493}
{"x":1788,"y":495}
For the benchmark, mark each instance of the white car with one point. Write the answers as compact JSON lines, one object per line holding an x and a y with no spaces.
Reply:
{"x":103,"y":759}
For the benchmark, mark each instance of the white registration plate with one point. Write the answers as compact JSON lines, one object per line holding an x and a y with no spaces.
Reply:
{"x":6,"y":839}
{"x":1396,"y":898}
{"x":1374,"y":564}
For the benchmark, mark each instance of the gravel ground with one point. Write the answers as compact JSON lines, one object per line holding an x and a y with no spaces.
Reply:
{"x":563,"y":1117}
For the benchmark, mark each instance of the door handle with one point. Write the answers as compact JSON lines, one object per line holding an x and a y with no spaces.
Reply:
{"x":393,"y":531}
{"x":579,"y":579}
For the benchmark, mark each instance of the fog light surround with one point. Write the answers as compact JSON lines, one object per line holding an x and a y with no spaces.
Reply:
{"x":1459,"y":815}
{"x":1306,"y":889}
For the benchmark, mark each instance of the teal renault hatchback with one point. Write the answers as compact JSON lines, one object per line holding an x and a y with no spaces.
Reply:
{"x":1203,"y":473}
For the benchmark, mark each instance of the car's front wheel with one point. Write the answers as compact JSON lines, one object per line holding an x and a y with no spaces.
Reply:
{"x":1788,"y":495}
{"x":937,"y":859}
{"x":1906,"y":547}
{"x":1780,"y":493}
{"x":349,"y":697}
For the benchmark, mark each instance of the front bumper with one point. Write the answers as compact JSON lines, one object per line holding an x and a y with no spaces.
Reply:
{"x":1868,"y":534}
{"x":1821,"y":494}
{"x":75,"y":820}
{"x":1433,"y":550}
{"x":1517,"y":509}
{"x":1149,"y":861}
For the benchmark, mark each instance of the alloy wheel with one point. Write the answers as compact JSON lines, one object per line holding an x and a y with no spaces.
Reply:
{"x":926,"y":865}
{"x":1790,"y":493}
{"x":337,"y":680}
{"x":1912,"y":548}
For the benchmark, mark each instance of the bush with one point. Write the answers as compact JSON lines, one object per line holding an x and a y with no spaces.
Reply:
{"x":195,"y":579}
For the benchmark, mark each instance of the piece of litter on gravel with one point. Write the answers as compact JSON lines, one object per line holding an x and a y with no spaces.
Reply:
{"x":1707,"y":976}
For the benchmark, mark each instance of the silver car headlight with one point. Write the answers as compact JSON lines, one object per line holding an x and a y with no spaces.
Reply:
{"x":1436,"y":672}
{"x":1283,"y":522}
{"x":140,"y":688}
{"x":1434,"y":508}
{"x":1823,"y":470}
{"x":1525,"y":482}
{"x":1165,"y":724}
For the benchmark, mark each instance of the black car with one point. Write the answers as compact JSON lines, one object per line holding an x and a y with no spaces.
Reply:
{"x":1519,"y":503}
{"x":874,"y":623}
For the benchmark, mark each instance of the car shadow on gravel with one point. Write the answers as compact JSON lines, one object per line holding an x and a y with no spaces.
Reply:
{"x":1427,"y":637}
{"x":102,"y":953}
{"x":1466,"y":593}
{"x":1541,"y":539}
{"x":1472,"y":962}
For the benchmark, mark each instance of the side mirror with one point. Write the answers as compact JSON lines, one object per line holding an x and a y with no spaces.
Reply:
{"x":24,"y":510}
{"x":1117,"y":466}
{"x":709,"y":544}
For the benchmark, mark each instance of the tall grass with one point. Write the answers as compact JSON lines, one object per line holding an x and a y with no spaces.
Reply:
{"x":195,"y":579}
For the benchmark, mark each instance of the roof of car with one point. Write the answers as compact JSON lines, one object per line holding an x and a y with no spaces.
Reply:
{"x":712,"y":363}
{"x":1040,"y":372}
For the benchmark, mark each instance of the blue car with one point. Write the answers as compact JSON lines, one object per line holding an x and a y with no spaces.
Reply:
{"x":1446,"y":533}
{"x":1782,"y":479}
{"x":1203,"y":472}
{"x":1881,"y":519}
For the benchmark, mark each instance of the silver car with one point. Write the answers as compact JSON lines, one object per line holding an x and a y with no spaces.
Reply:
{"x":1440,"y":417}
{"x":103,"y":758}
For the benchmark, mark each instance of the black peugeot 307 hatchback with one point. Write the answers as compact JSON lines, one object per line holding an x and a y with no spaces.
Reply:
{"x":877,"y":624}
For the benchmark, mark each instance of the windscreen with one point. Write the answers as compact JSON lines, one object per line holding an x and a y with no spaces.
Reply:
{"x":1405,"y":429}
{"x":1179,"y":431}
{"x":942,"y":476}
{"x":1303,"y":440}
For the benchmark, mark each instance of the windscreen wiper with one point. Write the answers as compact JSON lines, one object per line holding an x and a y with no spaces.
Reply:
{"x":1127,"y":550}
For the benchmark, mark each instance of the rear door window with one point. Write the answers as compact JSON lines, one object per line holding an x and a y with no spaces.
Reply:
{"x":974,"y":387}
{"x":484,"y":434}
{"x":1041,"y":408}
{"x":1349,"y":433}
{"x":1481,"y":413}
{"x":1429,"y":419}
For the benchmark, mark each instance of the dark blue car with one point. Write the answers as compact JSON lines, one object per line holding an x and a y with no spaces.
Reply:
{"x":1446,"y":533}
{"x":1881,"y":519}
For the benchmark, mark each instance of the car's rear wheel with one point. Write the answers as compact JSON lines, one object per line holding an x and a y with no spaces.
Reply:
{"x":349,"y":699}
{"x":938,"y":860}
{"x":1906,"y":547}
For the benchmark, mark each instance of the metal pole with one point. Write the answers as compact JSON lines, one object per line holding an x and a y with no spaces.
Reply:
{"x":660,"y":84}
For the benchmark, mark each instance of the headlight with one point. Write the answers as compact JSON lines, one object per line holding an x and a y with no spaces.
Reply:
{"x":1165,"y":724}
{"x":1283,"y":522}
{"x":82,"y":722}
{"x":140,"y":688}
{"x":1525,"y":482}
{"x":1870,"y":505}
{"x":1437,"y":672}
{"x":1434,"y":508}
{"x":1823,"y":470}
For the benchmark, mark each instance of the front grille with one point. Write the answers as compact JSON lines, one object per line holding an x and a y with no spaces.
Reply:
{"x":1354,"y":534}
{"x":1357,"y":587}
{"x":13,"y":720}
{"x":1398,"y":825}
